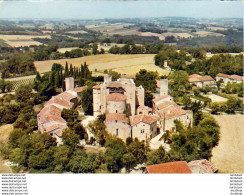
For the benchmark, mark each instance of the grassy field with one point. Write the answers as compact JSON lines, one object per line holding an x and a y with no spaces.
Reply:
{"x":3,"y":43}
{"x":228,"y":156}
{"x":22,"y":40}
{"x":124,"y":64}
{"x":4,"y":134}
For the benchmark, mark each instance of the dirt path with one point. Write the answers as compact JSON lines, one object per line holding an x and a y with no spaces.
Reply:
{"x":228,"y":156}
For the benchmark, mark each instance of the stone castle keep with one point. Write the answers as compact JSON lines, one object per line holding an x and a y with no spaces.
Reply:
{"x":118,"y":99}
{"x":117,"y":96}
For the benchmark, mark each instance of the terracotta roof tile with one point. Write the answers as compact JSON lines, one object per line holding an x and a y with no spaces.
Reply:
{"x":144,"y":107}
{"x":59,"y":101}
{"x":237,"y":77}
{"x":96,"y":87}
{"x":165,"y":105}
{"x":198,"y":78}
{"x":148,"y":119}
{"x":223,"y":75}
{"x":116,"y":117}
{"x":204,"y":164}
{"x":50,"y":113}
{"x":170,"y":167}
{"x":66,"y":96}
{"x":116,"y":97}
{"x":161,"y":98}
{"x":172,"y":111}
{"x":55,"y":127}
{"x":194,"y":79}
{"x":206,"y":78}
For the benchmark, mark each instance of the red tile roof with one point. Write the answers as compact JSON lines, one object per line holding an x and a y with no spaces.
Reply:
{"x":194,"y":76}
{"x":148,"y":119}
{"x":233,"y":77}
{"x":116,"y":97}
{"x":198,"y":78}
{"x":204,"y":164}
{"x":144,"y":107}
{"x":55,"y":127}
{"x":165,"y":105}
{"x":161,"y":98}
{"x":172,"y":111}
{"x":170,"y":167}
{"x":60,"y":101}
{"x":96,"y":87}
{"x":206,"y":78}
{"x":223,"y":75}
{"x":66,"y":96}
{"x":116,"y":117}
{"x":194,"y":79}
{"x":237,"y":77}
{"x":50,"y":113}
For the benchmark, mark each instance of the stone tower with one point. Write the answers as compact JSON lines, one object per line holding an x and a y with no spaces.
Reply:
{"x":69,"y":83}
{"x":107,"y":79}
{"x":163,"y":87}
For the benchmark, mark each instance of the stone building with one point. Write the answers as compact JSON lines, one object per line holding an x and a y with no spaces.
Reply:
{"x":131,"y":95}
{"x":201,"y":81}
{"x":144,"y":127}
{"x":229,"y":78}
{"x":168,"y":111}
{"x":49,"y":119}
{"x":118,"y":124}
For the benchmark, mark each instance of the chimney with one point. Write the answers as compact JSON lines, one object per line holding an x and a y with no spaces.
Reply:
{"x":69,"y":83}
{"x":163,"y":87}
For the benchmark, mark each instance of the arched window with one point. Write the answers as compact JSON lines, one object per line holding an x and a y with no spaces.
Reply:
{"x":117,"y":132}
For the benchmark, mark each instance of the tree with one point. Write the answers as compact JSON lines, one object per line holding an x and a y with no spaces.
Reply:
{"x":129,"y":161}
{"x":186,"y":100}
{"x":148,"y":98}
{"x":95,"y":49}
{"x":70,"y":115}
{"x":98,"y":128}
{"x":70,"y":138}
{"x":87,"y":100}
{"x":215,"y":108}
{"x":179,"y":82}
{"x":147,"y":79}
{"x":23,"y":93}
{"x":56,"y":67}
{"x":139,"y":150}
{"x":157,"y":156}
{"x":62,"y":157}
{"x":115,"y":149}
{"x":81,"y":162}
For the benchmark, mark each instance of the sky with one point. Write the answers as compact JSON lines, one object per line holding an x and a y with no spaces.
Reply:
{"x":58,"y":9}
